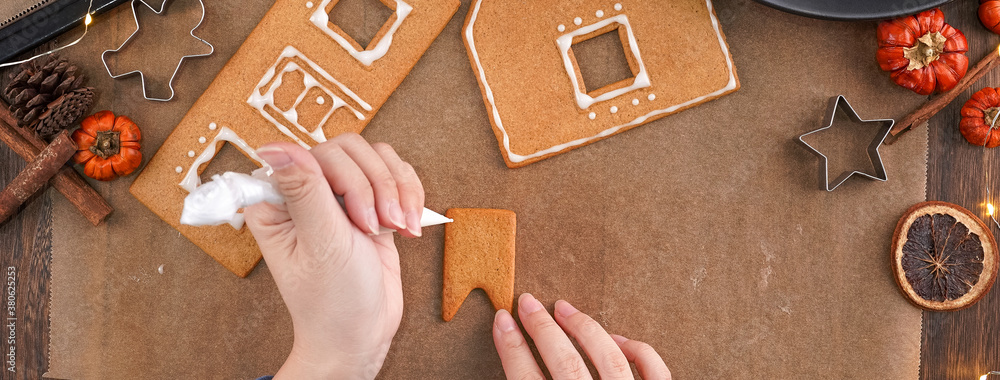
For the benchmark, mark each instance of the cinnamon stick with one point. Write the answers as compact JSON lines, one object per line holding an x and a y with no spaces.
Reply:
{"x":932,"y":107}
{"x":36,"y":174}
{"x":67,"y":181}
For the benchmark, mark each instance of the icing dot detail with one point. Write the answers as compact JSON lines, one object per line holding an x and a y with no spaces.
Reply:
{"x":309,"y":4}
{"x":578,"y":21}
{"x":561,"y":28}
{"x":618,"y":6}
{"x":635,"y":102}
{"x":212,"y":126}
{"x":202,"y":139}
{"x":651,"y":97}
{"x":600,"y":13}
{"x":320,"y":100}
{"x":179,"y":169}
{"x":592,"y":116}
{"x":190,"y":153}
{"x":614,"y":109}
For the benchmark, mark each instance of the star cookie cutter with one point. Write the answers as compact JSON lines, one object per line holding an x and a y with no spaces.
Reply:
{"x":170,"y":84}
{"x":839,"y":102}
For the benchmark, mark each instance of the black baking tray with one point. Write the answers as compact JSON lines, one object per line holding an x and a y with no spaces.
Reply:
{"x":45,"y":24}
{"x":853,"y":10}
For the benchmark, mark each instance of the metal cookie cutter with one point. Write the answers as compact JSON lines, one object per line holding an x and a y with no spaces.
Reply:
{"x":170,"y":84}
{"x":839,"y":102}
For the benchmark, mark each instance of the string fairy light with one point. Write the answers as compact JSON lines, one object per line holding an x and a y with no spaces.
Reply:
{"x":990,"y":209}
{"x":87,"y":20}
{"x":984,"y":377}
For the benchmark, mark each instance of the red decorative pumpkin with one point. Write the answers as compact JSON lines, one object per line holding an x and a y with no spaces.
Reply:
{"x":989,"y":14}
{"x":922,"y":53}
{"x":980,"y":124}
{"x":108,"y":146}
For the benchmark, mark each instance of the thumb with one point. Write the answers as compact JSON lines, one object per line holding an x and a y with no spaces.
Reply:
{"x":308,"y":198}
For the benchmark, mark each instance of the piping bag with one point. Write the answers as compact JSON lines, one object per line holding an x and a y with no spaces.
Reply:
{"x":220,"y":200}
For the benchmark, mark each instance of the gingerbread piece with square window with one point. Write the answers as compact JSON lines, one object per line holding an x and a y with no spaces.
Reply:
{"x":299,"y":77}
{"x":539,"y":99}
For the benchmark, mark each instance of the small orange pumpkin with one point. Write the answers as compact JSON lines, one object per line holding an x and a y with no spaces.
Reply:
{"x":978,"y":116}
{"x":108,"y":146}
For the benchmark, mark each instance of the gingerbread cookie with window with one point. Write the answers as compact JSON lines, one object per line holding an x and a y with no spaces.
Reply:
{"x":535,"y":91}
{"x":310,"y":70}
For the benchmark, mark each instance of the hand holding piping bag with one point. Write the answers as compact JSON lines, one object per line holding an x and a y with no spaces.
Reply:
{"x":321,"y":254}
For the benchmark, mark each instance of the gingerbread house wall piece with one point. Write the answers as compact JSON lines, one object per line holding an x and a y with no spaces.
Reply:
{"x":533,"y":88}
{"x":297,"y":78}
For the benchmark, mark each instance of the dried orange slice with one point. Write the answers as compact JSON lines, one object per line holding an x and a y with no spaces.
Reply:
{"x":943,"y":257}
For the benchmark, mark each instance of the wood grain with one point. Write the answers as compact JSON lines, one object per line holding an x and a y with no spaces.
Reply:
{"x":964,"y":344}
{"x":955,"y":345}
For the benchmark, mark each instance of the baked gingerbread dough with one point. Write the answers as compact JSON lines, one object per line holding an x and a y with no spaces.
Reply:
{"x":522,"y":55}
{"x":297,"y":78}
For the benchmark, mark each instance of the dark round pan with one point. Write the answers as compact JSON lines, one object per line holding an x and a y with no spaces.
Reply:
{"x":852,"y":10}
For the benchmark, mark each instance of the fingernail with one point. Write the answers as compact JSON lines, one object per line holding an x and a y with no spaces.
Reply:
{"x":504,"y":321}
{"x":396,"y":214}
{"x":413,"y":223}
{"x":276,"y":157}
{"x":564,"y":309}
{"x":372,"y":220}
{"x":618,"y":338}
{"x":529,"y":304}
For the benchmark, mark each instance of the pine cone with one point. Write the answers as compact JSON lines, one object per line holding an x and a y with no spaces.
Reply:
{"x":35,"y":89}
{"x":65,"y":111}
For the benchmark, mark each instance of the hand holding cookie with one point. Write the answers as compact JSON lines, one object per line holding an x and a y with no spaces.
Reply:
{"x":610,"y":354}
{"x":341,"y":285}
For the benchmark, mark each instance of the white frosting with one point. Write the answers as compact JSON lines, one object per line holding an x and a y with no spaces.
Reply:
{"x":635,"y":102}
{"x":599,"y":13}
{"x":592,"y":115}
{"x":513,"y":157}
{"x":618,"y":6}
{"x":651,"y":97}
{"x":220,"y":200}
{"x":614,"y":109}
{"x":320,"y":100}
{"x":561,"y":27}
{"x":190,"y":153}
{"x":264,"y":101}
{"x":309,"y":4}
{"x":179,"y":169}
{"x":192,"y":179}
{"x":565,"y":41}
{"x":202,"y":139}
{"x":577,"y":21}
{"x":321,"y":19}
{"x":212,"y":126}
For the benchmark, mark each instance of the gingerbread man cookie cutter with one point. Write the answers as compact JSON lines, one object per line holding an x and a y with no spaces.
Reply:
{"x":142,"y":76}
{"x":840,"y":103}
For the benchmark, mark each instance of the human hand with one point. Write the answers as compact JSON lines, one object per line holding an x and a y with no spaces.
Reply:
{"x":610,"y":354}
{"x":340,"y":284}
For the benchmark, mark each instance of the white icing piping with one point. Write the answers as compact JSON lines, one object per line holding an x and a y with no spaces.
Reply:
{"x":565,"y":41}
{"x":192,"y":179}
{"x":261,"y":101}
{"x":321,"y":20}
{"x":506,"y":139}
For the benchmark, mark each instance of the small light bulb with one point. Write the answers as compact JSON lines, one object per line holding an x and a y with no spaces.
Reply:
{"x":983,"y":377}
{"x":990,"y":209}
{"x":88,"y":20}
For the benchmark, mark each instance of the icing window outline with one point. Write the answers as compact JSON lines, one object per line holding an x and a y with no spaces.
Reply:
{"x":192,"y":179}
{"x":321,"y":19}
{"x":262,"y":97}
{"x":584,"y":100}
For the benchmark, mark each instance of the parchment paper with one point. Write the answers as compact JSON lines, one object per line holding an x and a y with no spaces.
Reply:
{"x":703,"y":233}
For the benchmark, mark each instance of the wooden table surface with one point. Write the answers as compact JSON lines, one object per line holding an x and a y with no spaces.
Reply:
{"x":955,"y":345}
